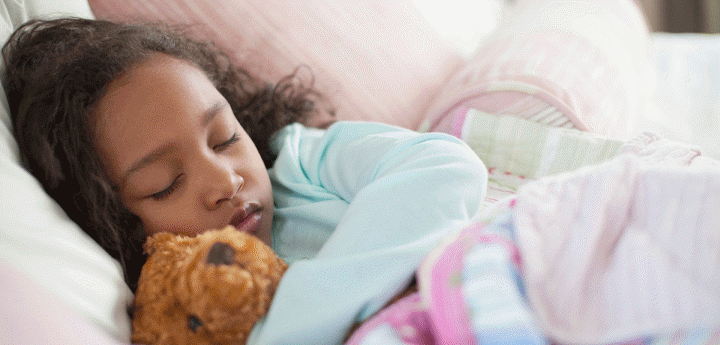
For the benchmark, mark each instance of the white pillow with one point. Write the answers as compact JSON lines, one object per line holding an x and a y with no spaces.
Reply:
{"x":36,"y":236}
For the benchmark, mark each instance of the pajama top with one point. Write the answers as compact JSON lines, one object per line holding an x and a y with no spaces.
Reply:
{"x":357,"y":207}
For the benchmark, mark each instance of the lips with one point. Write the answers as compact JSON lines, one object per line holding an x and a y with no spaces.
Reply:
{"x":247,"y":219}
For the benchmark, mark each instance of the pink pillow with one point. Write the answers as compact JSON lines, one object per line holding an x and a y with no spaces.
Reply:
{"x":576,"y":64}
{"x":376,"y":60}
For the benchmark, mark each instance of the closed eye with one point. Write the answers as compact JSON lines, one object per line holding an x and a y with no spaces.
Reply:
{"x":167,"y":191}
{"x":222,"y":146}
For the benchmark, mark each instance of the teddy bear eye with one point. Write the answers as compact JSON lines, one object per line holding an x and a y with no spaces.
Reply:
{"x":194,"y":323}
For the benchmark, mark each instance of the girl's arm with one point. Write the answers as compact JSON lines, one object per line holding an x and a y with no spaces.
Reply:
{"x":364,"y":202}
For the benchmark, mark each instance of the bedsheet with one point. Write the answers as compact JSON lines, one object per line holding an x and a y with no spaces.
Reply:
{"x":615,"y":243}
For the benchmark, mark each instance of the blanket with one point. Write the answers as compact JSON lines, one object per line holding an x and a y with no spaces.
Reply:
{"x":621,"y":250}
{"x":617,"y":244}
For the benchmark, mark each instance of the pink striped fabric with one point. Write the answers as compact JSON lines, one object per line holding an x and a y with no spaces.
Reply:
{"x":574,"y":64}
{"x":376,"y":60}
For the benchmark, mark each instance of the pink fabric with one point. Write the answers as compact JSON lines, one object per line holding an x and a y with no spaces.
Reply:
{"x":457,"y":121}
{"x":587,"y":58}
{"x":446,"y":300}
{"x":375,"y":60}
{"x":633,"y":234}
{"x":531,"y":103}
{"x":407,"y":317}
{"x":446,"y":304}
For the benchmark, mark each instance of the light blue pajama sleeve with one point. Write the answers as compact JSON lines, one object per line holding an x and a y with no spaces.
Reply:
{"x":358,"y":206}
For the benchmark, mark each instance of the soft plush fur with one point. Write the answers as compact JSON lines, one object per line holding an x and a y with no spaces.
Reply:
{"x":208,"y":289}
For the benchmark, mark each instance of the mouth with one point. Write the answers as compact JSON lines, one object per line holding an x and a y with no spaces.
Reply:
{"x":247,"y":219}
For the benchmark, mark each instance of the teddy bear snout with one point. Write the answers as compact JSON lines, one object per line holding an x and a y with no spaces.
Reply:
{"x":221,"y":253}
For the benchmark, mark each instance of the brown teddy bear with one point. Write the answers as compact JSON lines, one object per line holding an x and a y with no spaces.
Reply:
{"x":207,"y":289}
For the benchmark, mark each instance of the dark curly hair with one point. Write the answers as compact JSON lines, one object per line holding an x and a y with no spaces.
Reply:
{"x":56,"y":72}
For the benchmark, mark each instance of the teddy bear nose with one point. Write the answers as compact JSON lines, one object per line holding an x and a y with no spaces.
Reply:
{"x":221,"y":253}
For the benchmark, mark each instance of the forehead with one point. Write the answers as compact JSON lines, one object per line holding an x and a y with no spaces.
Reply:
{"x":152,"y":81}
{"x":150,"y":104}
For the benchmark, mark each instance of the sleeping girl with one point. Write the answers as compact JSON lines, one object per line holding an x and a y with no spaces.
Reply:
{"x":138,"y":129}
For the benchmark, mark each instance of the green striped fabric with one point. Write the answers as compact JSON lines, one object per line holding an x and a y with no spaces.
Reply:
{"x":516,"y":151}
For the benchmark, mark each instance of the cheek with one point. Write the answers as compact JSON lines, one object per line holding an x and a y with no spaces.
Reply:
{"x":167,"y":217}
{"x":263,"y":179}
{"x":152,"y":221}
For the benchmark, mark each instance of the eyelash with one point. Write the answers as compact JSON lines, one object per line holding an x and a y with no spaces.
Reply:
{"x":173,"y":186}
{"x":167,"y":191}
{"x":233,"y":139}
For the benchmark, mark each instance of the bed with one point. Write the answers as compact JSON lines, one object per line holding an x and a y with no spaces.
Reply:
{"x":565,"y":93}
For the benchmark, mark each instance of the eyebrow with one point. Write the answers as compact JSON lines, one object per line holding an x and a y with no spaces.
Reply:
{"x":212,"y":112}
{"x":162,"y":151}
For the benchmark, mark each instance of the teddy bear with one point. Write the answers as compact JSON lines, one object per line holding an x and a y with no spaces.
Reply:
{"x":206,"y":289}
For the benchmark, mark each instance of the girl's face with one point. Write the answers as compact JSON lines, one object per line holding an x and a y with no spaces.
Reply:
{"x":178,"y":156}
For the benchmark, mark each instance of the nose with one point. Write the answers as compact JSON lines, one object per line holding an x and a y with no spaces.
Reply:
{"x":221,"y":253}
{"x":221,"y":183}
